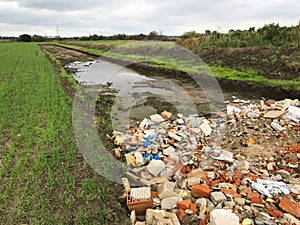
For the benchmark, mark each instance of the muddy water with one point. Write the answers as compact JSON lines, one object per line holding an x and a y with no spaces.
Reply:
{"x":139,"y":96}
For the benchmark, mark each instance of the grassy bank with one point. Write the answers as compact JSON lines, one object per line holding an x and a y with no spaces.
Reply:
{"x":43,"y":178}
{"x":163,"y":56}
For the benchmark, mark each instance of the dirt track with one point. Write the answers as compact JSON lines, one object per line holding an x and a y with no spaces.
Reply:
{"x":243,"y":89}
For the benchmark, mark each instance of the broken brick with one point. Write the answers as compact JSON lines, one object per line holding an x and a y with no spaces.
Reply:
{"x":231,"y":192}
{"x":254,"y":197}
{"x":290,"y":207}
{"x":201,"y":191}
{"x":185,"y":204}
{"x":193,"y":207}
{"x":215,"y":182}
{"x":252,"y":177}
{"x":274,"y":212}
{"x":181,"y":214}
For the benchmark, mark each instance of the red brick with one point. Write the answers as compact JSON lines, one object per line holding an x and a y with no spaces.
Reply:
{"x":231,"y":192}
{"x":206,"y":180}
{"x":246,"y":191}
{"x":254,"y":198}
{"x":193,"y":207}
{"x":252,"y":177}
{"x":202,"y":222}
{"x":201,"y":191}
{"x":237,"y":175}
{"x":185,"y":170}
{"x":154,"y":194}
{"x":290,"y":207}
{"x":215,"y":182}
{"x":274,"y":212}
{"x":185,"y":204}
{"x":181,"y":214}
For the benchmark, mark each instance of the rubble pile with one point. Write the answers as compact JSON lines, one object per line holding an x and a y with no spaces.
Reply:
{"x":191,"y":169}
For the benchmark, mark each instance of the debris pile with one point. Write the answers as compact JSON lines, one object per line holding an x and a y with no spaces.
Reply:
{"x":185,"y":176}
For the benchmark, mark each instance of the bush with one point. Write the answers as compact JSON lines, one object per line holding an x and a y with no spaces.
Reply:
{"x":24,"y":38}
{"x":38,"y":38}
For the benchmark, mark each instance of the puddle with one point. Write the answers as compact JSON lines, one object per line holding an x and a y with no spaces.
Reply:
{"x":139,"y":96}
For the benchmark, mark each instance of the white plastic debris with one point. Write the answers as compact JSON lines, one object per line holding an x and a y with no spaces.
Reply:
{"x":269,"y":188}
{"x":294,"y":113}
{"x":219,"y":154}
{"x":231,"y":110}
{"x":277,"y":126}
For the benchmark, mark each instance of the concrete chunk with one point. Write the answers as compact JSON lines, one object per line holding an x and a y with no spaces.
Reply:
{"x":217,"y":197}
{"x":170,"y":203}
{"x":156,"y":166}
{"x":222,"y":216}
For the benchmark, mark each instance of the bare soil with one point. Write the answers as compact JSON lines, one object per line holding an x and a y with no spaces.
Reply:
{"x":273,"y":62}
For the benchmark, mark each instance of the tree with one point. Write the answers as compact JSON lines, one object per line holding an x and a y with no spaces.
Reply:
{"x":207,"y":32}
{"x":190,"y":34}
{"x":24,"y":38}
{"x":153,"y":35}
{"x":38,"y":38}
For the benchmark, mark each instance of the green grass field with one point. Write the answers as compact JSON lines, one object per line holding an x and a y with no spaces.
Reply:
{"x":43,"y":178}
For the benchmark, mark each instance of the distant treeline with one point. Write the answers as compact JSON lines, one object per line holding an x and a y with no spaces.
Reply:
{"x":271,"y":34}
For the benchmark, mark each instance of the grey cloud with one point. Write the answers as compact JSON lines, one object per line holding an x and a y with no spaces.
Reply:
{"x":142,"y":16}
{"x":66,"y":5}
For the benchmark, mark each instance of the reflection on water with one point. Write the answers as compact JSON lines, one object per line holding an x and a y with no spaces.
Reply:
{"x":135,"y":89}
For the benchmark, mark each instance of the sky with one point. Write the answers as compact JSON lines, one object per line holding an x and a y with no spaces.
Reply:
{"x":83,"y":18}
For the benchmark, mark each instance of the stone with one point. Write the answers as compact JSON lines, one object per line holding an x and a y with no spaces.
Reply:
{"x":193,"y":181}
{"x":133,"y":217}
{"x":229,"y":204}
{"x":247,"y":221}
{"x":218,"y":197}
{"x":157,"y":118}
{"x":166,"y":193}
{"x":130,"y":159}
{"x":183,"y":193}
{"x":270,"y":102}
{"x":295,"y":189}
{"x":211,"y":175}
{"x":140,"y":223}
{"x":274,"y":114}
{"x":290,"y":207}
{"x":156,"y":166}
{"x":161,"y":217}
{"x":291,"y":219}
{"x":170,"y":203}
{"x":166,"y":115}
{"x":146,"y":175}
{"x":222,"y":216}
{"x":240,"y":201}
{"x":283,"y":173}
{"x":206,"y":129}
{"x":169,"y":151}
{"x":277,"y":127}
{"x":139,"y":160}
